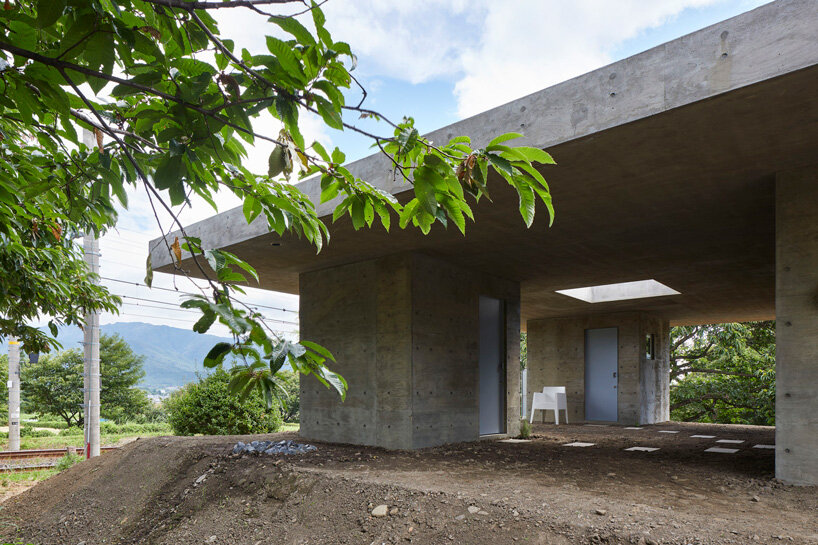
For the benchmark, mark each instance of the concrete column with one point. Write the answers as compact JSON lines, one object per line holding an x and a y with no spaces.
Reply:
{"x":796,"y":309}
{"x":405,"y":331}
{"x":556,"y":357}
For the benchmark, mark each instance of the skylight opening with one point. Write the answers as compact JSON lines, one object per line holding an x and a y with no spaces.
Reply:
{"x":640,"y":289}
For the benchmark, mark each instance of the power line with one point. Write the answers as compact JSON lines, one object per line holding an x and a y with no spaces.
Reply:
{"x":267,"y":318}
{"x":178,"y":292}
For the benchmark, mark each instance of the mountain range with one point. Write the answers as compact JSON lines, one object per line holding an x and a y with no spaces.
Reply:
{"x":173,"y":356}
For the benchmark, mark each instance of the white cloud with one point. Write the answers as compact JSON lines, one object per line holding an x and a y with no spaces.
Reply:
{"x":526,"y":46}
{"x":413,"y":40}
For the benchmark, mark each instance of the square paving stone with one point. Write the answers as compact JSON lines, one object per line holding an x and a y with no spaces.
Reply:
{"x":722,"y":450}
{"x":579,"y":444}
{"x":642,"y":449}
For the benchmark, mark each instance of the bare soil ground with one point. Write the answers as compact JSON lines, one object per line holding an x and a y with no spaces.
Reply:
{"x":171,"y":490}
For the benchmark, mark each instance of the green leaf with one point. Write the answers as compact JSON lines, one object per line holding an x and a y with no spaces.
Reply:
{"x":536,"y":155}
{"x":216,"y":355}
{"x":502,"y":165}
{"x":504,"y":137}
{"x":336,"y":381}
{"x":319,"y":349}
{"x":203,"y":324}
{"x":169,"y":172}
{"x":383,"y":212}
{"x":318,"y":17}
{"x":292,"y":26}
{"x":48,"y":11}
{"x":409,"y":211}
{"x":424,"y":188}
{"x":407,"y":139}
{"x":148,"y":271}
{"x":526,"y":203}
{"x":285,"y":57}
{"x":329,"y":114}
{"x":276,"y":162}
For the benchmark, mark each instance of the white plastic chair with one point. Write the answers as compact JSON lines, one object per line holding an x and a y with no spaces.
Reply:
{"x":551,"y":398}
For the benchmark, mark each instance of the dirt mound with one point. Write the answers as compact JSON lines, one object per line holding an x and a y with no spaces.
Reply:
{"x":171,"y":490}
{"x":177,"y":491}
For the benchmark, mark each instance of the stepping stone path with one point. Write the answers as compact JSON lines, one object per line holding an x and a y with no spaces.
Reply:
{"x":642,"y":449}
{"x":633,"y":428}
{"x":668,"y":431}
{"x":731,"y":441}
{"x":722,"y":450}
{"x":579,"y":444}
{"x":515,"y":440}
{"x":772,"y":447}
{"x":704,"y":436}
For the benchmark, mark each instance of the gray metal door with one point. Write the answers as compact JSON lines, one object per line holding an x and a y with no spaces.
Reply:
{"x":601,"y":368}
{"x":492,"y":366}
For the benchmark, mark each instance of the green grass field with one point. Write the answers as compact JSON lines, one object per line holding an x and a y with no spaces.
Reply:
{"x":58,"y":441}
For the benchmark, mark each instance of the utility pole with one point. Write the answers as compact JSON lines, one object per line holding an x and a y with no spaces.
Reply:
{"x":90,"y":246}
{"x":14,"y":394}
{"x":91,"y":381}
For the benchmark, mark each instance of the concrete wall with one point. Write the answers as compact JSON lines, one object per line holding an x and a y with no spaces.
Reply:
{"x":405,"y":331}
{"x":556,"y":357}
{"x":654,"y":380}
{"x":796,"y":309}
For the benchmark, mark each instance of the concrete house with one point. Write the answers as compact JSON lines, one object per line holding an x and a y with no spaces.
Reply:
{"x":686,"y":192}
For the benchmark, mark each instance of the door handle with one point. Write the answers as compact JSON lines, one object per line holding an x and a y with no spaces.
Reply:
{"x":614,"y":375}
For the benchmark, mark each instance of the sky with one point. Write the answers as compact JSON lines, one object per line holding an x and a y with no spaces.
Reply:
{"x":438,"y":61}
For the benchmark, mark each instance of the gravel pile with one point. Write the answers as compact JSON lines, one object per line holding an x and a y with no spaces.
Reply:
{"x":273,"y":447}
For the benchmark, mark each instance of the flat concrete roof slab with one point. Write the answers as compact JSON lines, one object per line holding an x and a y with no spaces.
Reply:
{"x":666,"y":166}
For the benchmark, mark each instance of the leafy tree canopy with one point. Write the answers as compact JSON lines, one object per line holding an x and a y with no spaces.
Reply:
{"x":174,"y":106}
{"x":723,"y":373}
{"x":54,"y":385}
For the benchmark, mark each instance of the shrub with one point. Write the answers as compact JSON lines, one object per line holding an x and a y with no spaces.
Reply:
{"x":151,"y":415}
{"x":525,"y":429}
{"x":70,"y":432}
{"x":207,"y":407}
{"x":67,"y":461}
{"x":28,"y":431}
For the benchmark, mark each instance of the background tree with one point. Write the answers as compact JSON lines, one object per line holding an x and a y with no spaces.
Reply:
{"x":173,"y":105}
{"x":54,"y":385}
{"x":723,"y":373}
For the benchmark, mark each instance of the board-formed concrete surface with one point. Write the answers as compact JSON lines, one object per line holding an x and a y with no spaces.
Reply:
{"x":404,"y":331}
{"x":796,"y":330}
